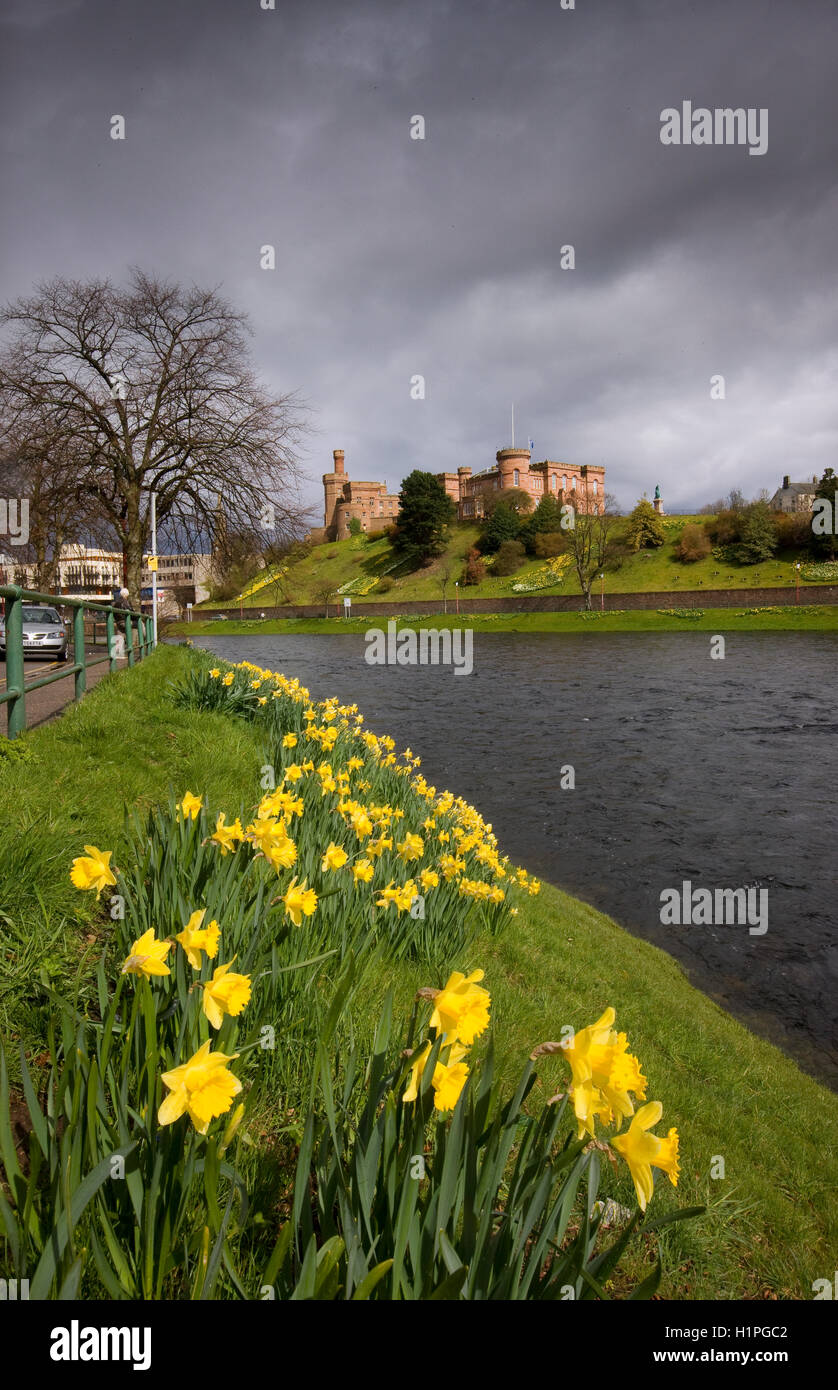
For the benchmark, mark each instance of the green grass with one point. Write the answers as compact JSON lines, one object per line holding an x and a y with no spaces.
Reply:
{"x":336,"y":563}
{"x":770,"y":1229}
{"x":818,"y":618}
{"x":122,"y":746}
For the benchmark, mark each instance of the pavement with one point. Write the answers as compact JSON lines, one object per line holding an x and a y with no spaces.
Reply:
{"x":48,"y":701}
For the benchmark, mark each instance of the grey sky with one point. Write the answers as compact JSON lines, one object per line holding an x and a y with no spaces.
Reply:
{"x":442,"y":257}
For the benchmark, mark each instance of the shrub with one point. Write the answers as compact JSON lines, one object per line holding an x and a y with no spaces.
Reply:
{"x":693,"y":545}
{"x":509,"y":558}
{"x":475,"y":569}
{"x":548,"y":544}
{"x":354,"y":526}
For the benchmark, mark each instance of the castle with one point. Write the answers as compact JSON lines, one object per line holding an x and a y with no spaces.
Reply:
{"x":583,"y":488}
{"x":371,"y":503}
{"x":375,"y":507}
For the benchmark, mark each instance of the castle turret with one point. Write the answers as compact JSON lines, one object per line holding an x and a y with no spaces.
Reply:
{"x":511,"y":464}
{"x":333,"y":489}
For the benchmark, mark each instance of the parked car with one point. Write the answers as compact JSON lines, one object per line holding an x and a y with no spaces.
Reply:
{"x":44,"y":633}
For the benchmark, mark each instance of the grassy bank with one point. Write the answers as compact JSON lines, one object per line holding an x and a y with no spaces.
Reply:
{"x":819,"y":618}
{"x":373,"y":569}
{"x":771,"y":1223}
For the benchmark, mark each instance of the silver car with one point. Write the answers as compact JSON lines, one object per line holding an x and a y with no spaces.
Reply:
{"x":44,"y":633}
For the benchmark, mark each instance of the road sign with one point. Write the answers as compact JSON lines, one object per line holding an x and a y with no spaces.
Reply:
{"x":347,"y":605}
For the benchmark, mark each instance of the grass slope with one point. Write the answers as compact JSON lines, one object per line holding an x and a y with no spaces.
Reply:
{"x":772,"y":1221}
{"x":330,"y":566}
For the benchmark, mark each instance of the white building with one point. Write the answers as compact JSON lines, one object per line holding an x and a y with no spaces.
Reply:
{"x":794,"y":497}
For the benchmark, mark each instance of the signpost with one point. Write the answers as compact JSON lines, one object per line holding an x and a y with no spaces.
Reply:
{"x":347,"y":607}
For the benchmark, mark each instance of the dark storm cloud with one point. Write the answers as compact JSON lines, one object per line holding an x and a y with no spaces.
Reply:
{"x":442,"y":257}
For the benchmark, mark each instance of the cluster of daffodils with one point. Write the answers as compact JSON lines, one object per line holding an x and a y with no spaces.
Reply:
{"x":607,"y":1080}
{"x":460,"y":1014}
{"x":403,"y":845}
{"x":203,"y":1087}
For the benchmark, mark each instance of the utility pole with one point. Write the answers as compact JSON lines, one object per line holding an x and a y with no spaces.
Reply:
{"x":153,"y":566}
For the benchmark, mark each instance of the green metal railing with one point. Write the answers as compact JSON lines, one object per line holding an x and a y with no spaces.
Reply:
{"x":17,"y":686}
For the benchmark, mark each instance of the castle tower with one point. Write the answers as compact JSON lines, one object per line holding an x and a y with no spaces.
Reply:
{"x":332,"y":490}
{"x":510,"y":462}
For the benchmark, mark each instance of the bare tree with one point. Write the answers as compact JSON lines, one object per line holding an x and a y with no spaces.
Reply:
{"x":444,"y":579}
{"x":590,"y":542}
{"x":325,"y":592}
{"x":151,"y":390}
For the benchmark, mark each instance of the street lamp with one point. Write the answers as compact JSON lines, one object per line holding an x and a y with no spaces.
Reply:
{"x":797,"y":582}
{"x":457,"y":593}
{"x":602,"y":591}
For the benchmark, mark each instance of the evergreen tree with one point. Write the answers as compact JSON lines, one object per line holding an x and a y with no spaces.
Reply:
{"x":645,"y":528}
{"x":758,"y":535}
{"x":547,"y":517}
{"x":825,"y":519}
{"x":503,"y":525}
{"x":425,"y":513}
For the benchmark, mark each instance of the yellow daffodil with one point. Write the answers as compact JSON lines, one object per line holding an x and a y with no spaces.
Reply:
{"x":215,"y":673}
{"x":148,"y":956}
{"x":202,"y":1088}
{"x":643,"y":1151}
{"x":411,"y":847}
{"x":289,"y":741}
{"x":429,"y":879}
{"x":93,"y":869}
{"x":228,"y":679}
{"x":461,"y":1009}
{"x":599,"y":1055}
{"x":448,"y":1079}
{"x":299,"y":900}
{"x":225,"y":836}
{"x":363,"y":871}
{"x":225,"y":993}
{"x":190,"y":805}
{"x":334,"y":858}
{"x":196,"y":938}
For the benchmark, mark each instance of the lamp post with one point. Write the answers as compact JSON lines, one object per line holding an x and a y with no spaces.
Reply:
{"x":457,"y":593}
{"x":797,"y":582}
{"x":602,"y":591}
{"x":153,"y":566}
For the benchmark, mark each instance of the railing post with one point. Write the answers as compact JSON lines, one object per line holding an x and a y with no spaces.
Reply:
{"x":78,"y":651}
{"x":15,"y":678}
{"x":129,"y":638}
{"x":110,"y":638}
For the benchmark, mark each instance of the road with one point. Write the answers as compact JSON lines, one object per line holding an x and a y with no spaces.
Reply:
{"x":50,"y":700}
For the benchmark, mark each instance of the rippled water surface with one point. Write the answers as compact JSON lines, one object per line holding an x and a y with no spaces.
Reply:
{"x":720,"y":772}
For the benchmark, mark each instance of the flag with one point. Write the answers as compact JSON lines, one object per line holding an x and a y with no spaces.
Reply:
{"x":532,"y":444}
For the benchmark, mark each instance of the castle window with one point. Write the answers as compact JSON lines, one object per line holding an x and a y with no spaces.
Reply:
{"x":595,"y":485}
{"x":517,"y":477}
{"x":564,"y":482}
{"x":553,"y":481}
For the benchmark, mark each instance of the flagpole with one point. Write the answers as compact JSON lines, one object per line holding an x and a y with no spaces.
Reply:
{"x":513,"y":425}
